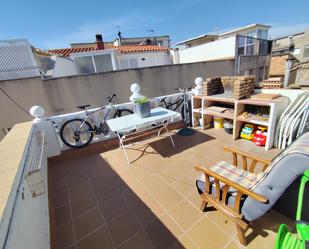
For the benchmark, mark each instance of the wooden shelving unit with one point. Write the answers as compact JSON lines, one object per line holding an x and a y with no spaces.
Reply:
{"x":201,"y":106}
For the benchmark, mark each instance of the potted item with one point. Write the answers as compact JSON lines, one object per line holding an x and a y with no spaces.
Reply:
{"x":142,"y":107}
{"x":228,"y":126}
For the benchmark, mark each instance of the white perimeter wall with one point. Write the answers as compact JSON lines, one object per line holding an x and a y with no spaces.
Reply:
{"x":150,"y":58}
{"x":219,"y":49}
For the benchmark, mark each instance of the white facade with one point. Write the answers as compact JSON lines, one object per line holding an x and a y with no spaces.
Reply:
{"x":63,"y":67}
{"x":143,"y":59}
{"x":107,"y":60}
{"x":220,"y":49}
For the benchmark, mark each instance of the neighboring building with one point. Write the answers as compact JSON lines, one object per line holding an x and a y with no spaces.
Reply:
{"x":147,"y":40}
{"x":199,"y":40}
{"x":288,"y":54}
{"x":87,"y":60}
{"x":254,"y":30}
{"x":296,"y":45}
{"x":251,"y":53}
{"x":17,"y":60}
{"x":163,"y":40}
{"x":259,"y":31}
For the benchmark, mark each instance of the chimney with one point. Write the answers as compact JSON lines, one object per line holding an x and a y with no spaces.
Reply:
{"x":99,"y":42}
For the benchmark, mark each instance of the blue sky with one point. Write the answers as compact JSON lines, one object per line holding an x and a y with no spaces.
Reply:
{"x":54,"y":24}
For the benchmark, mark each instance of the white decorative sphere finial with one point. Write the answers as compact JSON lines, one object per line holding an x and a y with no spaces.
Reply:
{"x":198,"y":90}
{"x":37,"y":111}
{"x":135,"y":88}
{"x":199,"y":81}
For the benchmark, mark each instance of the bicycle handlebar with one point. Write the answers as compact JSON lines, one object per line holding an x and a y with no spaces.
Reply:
{"x":111,"y":98}
{"x":183,"y":89}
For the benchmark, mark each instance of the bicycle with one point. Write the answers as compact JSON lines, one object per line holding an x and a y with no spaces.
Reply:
{"x":186,"y":111}
{"x":78,"y":132}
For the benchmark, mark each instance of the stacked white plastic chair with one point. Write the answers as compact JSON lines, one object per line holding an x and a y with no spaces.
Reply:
{"x":292,"y":121}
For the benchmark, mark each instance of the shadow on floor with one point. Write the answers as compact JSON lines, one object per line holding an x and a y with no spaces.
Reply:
{"x":91,"y":206}
{"x":165,"y":148}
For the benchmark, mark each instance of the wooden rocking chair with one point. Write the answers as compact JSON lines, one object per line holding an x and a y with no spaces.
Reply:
{"x":241,"y":194}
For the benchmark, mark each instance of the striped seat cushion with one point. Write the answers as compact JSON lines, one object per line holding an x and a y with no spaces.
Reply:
{"x":242,"y":177}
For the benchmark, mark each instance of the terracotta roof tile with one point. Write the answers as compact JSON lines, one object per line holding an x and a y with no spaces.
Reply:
{"x":121,"y":49}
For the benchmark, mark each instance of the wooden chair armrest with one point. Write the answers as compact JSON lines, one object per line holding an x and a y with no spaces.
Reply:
{"x":242,"y":153}
{"x":253,"y":195}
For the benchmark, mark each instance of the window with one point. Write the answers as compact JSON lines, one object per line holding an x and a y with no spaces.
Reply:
{"x":128,"y":63}
{"x":262,"y":34}
{"x":261,"y":73}
{"x":103,"y":63}
{"x":84,"y":64}
{"x":296,"y":51}
{"x":252,"y":33}
{"x":306,"y":51}
{"x":246,"y":45}
{"x":264,"y":47}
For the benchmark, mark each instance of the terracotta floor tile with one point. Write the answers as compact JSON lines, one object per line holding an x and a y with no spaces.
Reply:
{"x":160,"y":235}
{"x":123,"y":227}
{"x":139,"y":240}
{"x":60,"y":198}
{"x":190,"y":217}
{"x":63,"y":215}
{"x":184,"y":185}
{"x":98,"y":240}
{"x":74,"y":180}
{"x":64,"y":236}
{"x":114,"y":207}
{"x":144,"y":214}
{"x":106,"y":193}
{"x":83,"y":204}
{"x":88,"y":222}
{"x":195,"y":199}
{"x":170,"y":174}
{"x":155,"y":194}
{"x":235,"y":245}
{"x":183,"y":242}
{"x":227,"y":225}
{"x":207,"y":235}
{"x":171,"y":224}
{"x":168,"y":197}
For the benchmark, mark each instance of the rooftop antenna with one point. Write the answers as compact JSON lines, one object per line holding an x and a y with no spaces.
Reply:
{"x":217,"y":30}
{"x":118,"y":33}
{"x":151,"y":31}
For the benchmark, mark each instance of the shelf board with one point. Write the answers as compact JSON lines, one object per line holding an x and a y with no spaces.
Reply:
{"x":253,"y":120}
{"x":197,"y":110}
{"x":220,"y":114}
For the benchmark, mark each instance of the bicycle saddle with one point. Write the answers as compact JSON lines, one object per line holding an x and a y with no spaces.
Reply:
{"x":83,"y":107}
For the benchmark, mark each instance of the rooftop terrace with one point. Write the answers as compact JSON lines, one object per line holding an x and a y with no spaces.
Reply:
{"x":90,"y":198}
{"x":98,"y":201}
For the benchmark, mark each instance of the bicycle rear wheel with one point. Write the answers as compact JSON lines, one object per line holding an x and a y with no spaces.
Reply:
{"x":76,"y":135}
{"x":187,"y":114}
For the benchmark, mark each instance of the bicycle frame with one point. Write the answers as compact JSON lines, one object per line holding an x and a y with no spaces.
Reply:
{"x":178,"y":103}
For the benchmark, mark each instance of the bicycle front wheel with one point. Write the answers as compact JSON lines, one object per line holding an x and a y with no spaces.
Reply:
{"x":76,"y":133}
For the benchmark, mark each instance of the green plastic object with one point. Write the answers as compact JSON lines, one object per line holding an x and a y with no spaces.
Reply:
{"x":287,"y":240}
